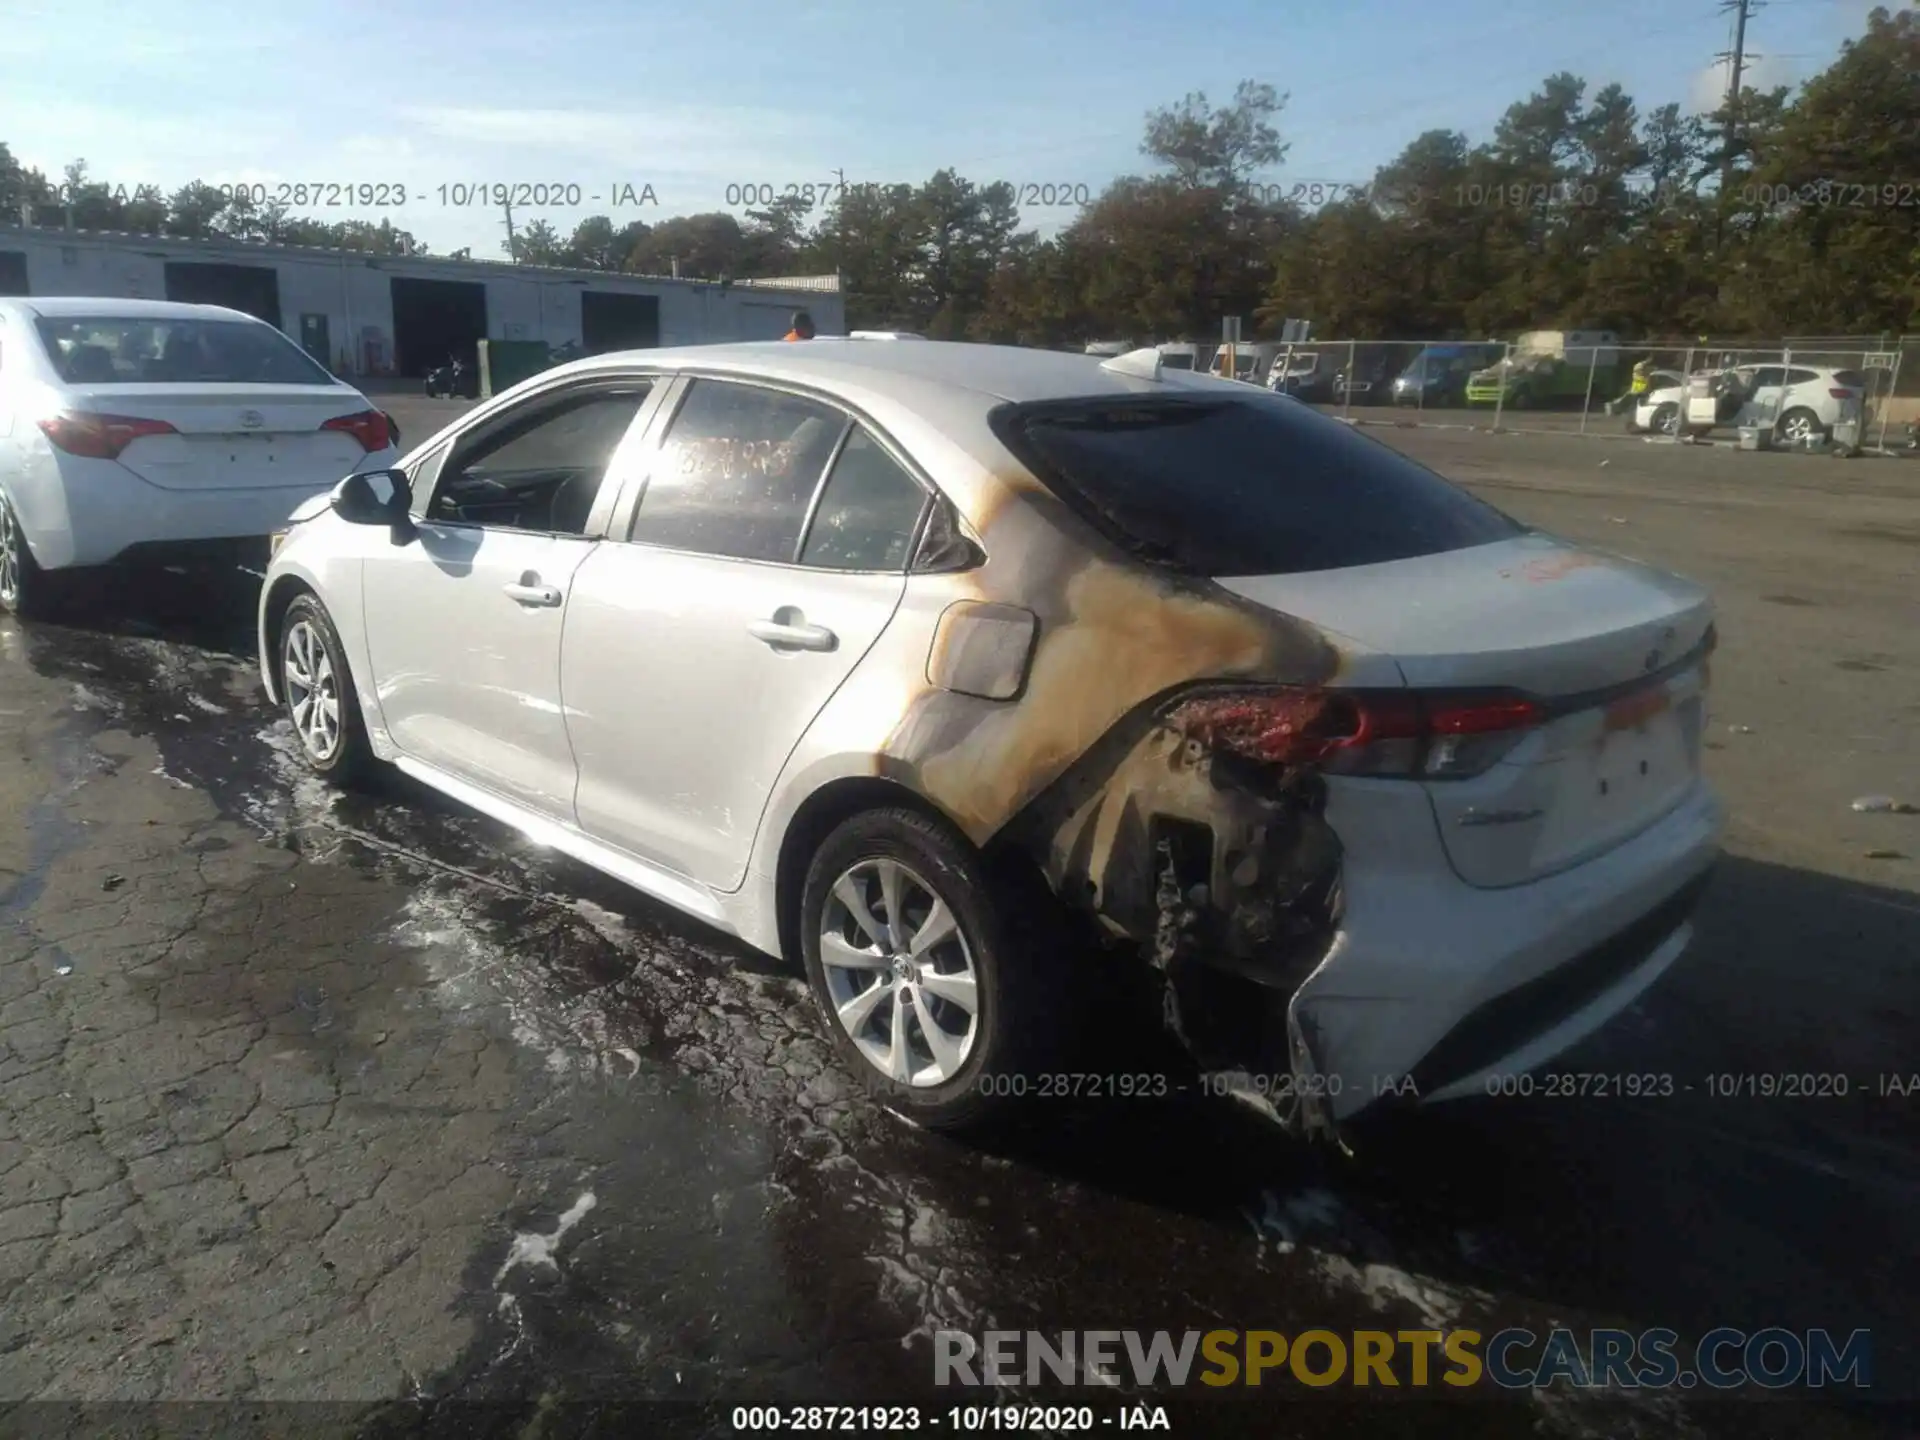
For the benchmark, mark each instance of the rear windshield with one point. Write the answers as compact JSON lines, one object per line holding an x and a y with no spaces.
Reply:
{"x":1260,"y":486}
{"x":1852,"y":379}
{"x":162,"y":350}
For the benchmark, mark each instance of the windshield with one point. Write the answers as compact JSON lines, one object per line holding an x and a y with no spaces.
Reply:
{"x":149,"y":350}
{"x":1260,"y":486}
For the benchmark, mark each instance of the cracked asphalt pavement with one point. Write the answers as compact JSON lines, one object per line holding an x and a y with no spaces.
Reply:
{"x":366,"y":1104}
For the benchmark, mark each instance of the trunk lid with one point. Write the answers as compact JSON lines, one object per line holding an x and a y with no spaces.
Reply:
{"x":1603,"y":642}
{"x":234,"y":436}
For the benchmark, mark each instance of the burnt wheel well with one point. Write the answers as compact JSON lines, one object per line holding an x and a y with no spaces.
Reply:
{"x":827,"y":807}
{"x":286,"y":590}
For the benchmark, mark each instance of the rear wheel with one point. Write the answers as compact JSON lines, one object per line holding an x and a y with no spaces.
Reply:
{"x":1666,"y":419}
{"x":25,"y":589}
{"x":917,"y":959}
{"x":1800,"y":425}
{"x":317,"y":688}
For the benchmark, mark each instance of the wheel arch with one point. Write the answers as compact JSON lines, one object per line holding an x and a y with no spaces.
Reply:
{"x":281,"y":592}
{"x":816,"y":817}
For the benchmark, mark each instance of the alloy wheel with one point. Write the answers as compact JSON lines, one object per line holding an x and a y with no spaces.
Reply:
{"x":313,"y":690}
{"x":899,"y":973}
{"x":1797,"y":428}
{"x":11,"y":543}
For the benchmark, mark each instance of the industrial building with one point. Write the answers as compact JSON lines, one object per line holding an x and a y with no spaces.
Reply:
{"x":373,"y":316}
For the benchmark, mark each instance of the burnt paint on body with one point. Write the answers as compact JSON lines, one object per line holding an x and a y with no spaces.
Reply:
{"x":1089,"y":769}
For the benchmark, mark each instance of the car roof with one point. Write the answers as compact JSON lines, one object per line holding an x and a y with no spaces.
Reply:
{"x":1000,"y":372}
{"x":121,"y":306}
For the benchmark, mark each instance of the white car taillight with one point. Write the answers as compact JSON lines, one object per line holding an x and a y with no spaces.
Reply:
{"x":98,"y":437}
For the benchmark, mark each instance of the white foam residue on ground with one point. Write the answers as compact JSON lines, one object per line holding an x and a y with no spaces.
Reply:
{"x":204,"y":705}
{"x":85,"y":698}
{"x":1388,"y":1286}
{"x":608,"y":926}
{"x":161,"y":771}
{"x":294,"y":797}
{"x":532,"y":1248}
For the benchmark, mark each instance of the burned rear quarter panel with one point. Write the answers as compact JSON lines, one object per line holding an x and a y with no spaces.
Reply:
{"x":1077,"y":758}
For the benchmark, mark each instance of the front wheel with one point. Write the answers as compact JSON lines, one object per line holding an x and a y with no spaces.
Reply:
{"x":916,"y":958}
{"x":317,"y":689}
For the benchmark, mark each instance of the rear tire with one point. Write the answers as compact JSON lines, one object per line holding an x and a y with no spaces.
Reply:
{"x":885,"y":993}
{"x":1666,"y":419}
{"x":25,"y":589}
{"x":1799,"y":425}
{"x":317,"y":692}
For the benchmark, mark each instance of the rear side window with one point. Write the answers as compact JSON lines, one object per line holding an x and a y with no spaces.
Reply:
{"x":868,"y":512}
{"x":162,"y":350}
{"x":1801,"y":377}
{"x":1255,"y":486}
{"x":737,"y":472}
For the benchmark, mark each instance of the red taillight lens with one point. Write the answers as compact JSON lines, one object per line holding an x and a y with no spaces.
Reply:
{"x":1387,"y":733}
{"x":369,"y":427}
{"x":99,"y":437}
{"x":1843,"y":394}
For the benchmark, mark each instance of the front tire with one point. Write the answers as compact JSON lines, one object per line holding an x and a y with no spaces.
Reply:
{"x":916,"y":957}
{"x":317,"y":691}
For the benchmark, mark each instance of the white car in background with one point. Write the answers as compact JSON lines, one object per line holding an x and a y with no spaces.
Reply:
{"x":912,"y":662}
{"x":1798,"y":402}
{"x":149,"y":429}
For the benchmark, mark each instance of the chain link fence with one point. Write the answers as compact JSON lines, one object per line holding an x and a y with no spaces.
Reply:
{"x":1808,"y":391}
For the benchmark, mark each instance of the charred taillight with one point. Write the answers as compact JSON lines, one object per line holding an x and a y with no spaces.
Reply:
{"x":1389,"y":734}
{"x":99,"y":437}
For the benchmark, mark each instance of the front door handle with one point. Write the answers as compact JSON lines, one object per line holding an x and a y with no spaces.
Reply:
{"x":529,"y":591}
{"x":782,"y":635}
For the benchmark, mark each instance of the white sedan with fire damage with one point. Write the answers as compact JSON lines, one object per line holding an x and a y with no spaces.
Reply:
{"x":146,"y":428}
{"x":913,"y":662}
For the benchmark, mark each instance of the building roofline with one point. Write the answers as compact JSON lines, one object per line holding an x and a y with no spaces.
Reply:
{"x":373,"y":261}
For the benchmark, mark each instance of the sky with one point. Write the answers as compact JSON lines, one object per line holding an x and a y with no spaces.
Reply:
{"x":659,"y":109}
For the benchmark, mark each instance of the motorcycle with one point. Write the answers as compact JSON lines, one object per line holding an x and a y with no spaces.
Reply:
{"x":455,"y":380}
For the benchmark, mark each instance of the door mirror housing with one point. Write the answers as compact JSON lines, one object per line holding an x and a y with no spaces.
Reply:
{"x":376,"y":497}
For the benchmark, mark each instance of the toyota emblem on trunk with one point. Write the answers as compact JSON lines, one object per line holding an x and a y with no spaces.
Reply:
{"x":251,"y":419}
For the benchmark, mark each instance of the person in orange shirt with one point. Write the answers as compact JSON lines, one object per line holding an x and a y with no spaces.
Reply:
{"x":802,"y":326}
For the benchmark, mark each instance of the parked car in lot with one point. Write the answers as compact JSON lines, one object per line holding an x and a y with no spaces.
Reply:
{"x":1306,"y":375}
{"x":134,"y":428}
{"x":1437,"y":376}
{"x":1370,"y":382}
{"x":1798,"y":403}
{"x":915,"y":663}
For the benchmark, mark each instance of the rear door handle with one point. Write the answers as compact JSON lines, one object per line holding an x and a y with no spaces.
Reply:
{"x":792,"y":637}
{"x":529,"y":591}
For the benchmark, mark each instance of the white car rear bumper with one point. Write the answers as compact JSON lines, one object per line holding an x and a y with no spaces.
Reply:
{"x":1435,"y":979}
{"x":87,"y":512}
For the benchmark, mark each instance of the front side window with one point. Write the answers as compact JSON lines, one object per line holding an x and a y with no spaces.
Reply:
{"x":540,"y":469}
{"x":868,"y":511}
{"x":147,"y":350}
{"x":737,"y":472}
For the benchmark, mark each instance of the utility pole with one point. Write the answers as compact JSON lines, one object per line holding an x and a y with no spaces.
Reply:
{"x":513,"y":244}
{"x":1736,"y":58}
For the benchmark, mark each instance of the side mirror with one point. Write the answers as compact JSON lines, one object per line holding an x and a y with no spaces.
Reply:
{"x":376,"y":497}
